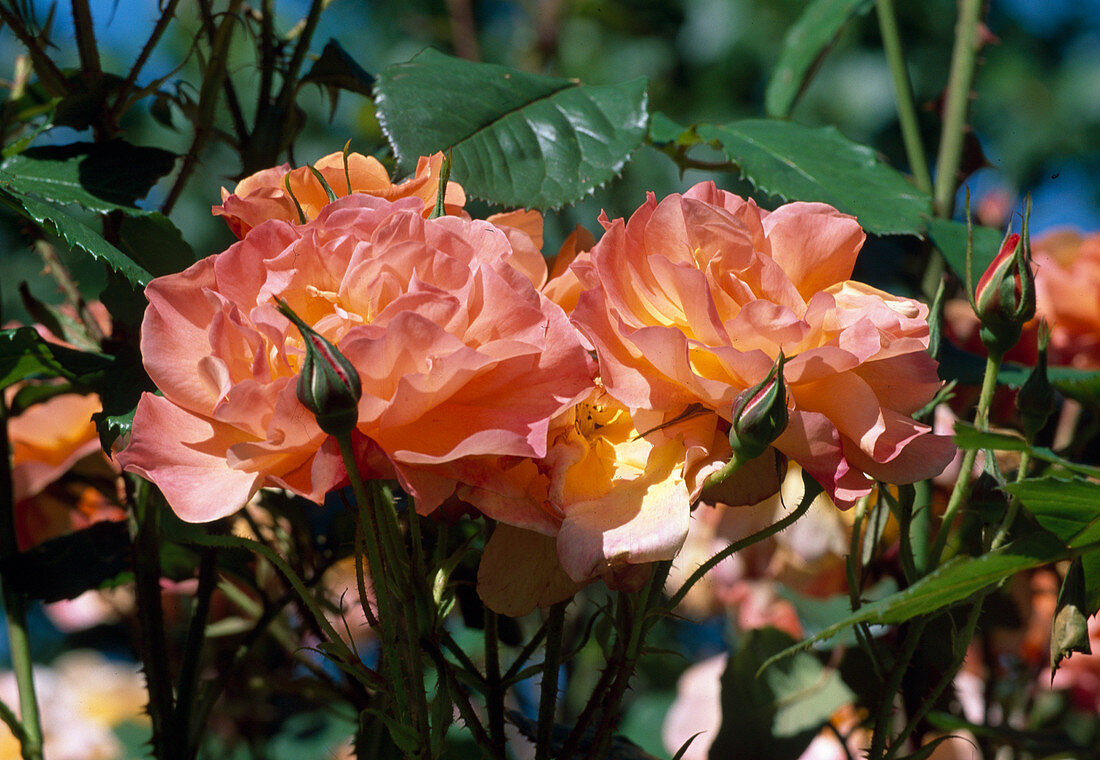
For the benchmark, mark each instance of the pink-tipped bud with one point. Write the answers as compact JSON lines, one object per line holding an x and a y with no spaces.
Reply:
{"x":760,"y":414}
{"x":328,"y":384}
{"x":1004,"y":299}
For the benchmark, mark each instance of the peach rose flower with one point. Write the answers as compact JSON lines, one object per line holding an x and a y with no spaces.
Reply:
{"x":603,"y":502}
{"x":691,"y":301}
{"x":263,"y":196}
{"x":49,"y":441}
{"x":458,"y":353}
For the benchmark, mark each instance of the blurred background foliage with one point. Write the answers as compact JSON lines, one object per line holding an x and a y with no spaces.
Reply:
{"x":1035,"y":117}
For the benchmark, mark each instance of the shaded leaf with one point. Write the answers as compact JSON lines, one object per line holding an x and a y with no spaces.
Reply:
{"x":25,"y":354}
{"x":798,"y":163}
{"x":155,"y":243}
{"x":98,"y":176}
{"x":1070,"y":509}
{"x":950,"y":238}
{"x":969,"y":437}
{"x":807,"y":42}
{"x":336,"y":68}
{"x":74,"y":232}
{"x":664,"y":131}
{"x":776,"y":714}
{"x":67,"y":566}
{"x":518,"y":139}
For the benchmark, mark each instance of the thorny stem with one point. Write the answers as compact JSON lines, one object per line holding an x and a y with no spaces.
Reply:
{"x":551,"y":664}
{"x":153,"y":648}
{"x":962,"y":487}
{"x":890,"y":689}
{"x":812,"y":490}
{"x":64,"y":279}
{"x":189,"y":669}
{"x":929,"y":701}
{"x":15,"y":605}
{"x":386,"y":630}
{"x":214,"y":77}
{"x":1013,"y":505}
{"x":494,"y":699}
{"x":640,"y":622}
{"x":159,"y":28}
{"x":903,"y":95}
{"x":956,"y":105}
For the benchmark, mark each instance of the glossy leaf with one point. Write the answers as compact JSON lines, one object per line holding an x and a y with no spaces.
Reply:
{"x":798,"y":163}
{"x":25,"y":354}
{"x":518,"y":139}
{"x":969,"y":437}
{"x":955,"y":580}
{"x":1070,"y":509}
{"x":98,"y":176}
{"x":75,"y":233}
{"x":807,"y":42}
{"x":774,"y":714}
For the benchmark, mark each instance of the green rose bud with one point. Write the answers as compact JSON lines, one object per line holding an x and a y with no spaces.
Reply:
{"x":328,"y":384}
{"x":760,"y":414}
{"x":1035,"y":399}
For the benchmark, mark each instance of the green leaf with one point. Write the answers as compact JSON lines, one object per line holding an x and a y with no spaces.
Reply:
{"x":25,"y":354}
{"x":952,"y":582}
{"x":98,"y":176}
{"x":969,"y":437}
{"x":806,"y":44}
{"x":153,"y":242}
{"x":776,"y":714}
{"x":664,"y":131}
{"x":67,"y":566}
{"x":519,"y":139}
{"x":950,"y":238}
{"x":75,"y":233}
{"x":798,"y":163}
{"x":1070,"y":509}
{"x":336,"y":68}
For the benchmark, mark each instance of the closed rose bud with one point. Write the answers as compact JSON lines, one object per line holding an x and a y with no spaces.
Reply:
{"x":760,"y":414}
{"x":1004,"y":299}
{"x":328,"y":384}
{"x":1035,"y":399}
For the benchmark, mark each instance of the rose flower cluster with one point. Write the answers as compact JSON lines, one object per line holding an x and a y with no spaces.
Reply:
{"x":581,"y":407}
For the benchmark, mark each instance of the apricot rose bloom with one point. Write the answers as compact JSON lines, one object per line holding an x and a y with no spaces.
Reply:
{"x":1067,"y":291}
{"x":459,"y":356}
{"x":691,"y":300}
{"x":263,"y":195}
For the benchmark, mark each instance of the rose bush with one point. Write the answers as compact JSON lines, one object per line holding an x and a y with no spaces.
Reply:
{"x":690,"y":302}
{"x":459,"y":355}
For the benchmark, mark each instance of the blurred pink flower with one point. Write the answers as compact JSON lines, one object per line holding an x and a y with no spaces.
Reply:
{"x":691,"y":300}
{"x":458,"y":353}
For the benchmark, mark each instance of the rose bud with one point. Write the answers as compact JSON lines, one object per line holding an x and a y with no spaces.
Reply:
{"x":328,"y":384}
{"x":759,"y":414}
{"x":1004,"y":299}
{"x":1035,"y":399}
